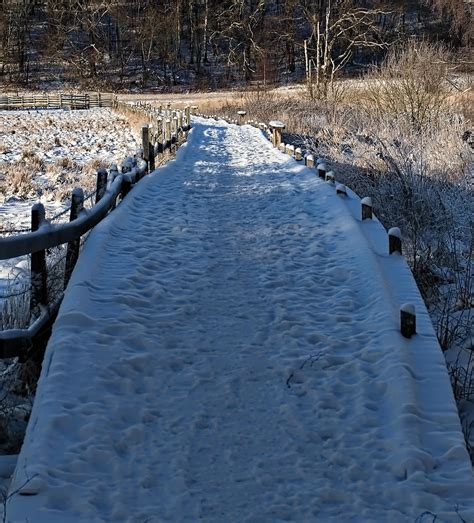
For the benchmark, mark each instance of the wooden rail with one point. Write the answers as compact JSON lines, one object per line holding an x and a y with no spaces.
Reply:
{"x":45,"y":235}
{"x":57,"y":101}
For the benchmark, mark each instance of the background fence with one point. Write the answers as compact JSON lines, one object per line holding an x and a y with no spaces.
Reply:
{"x":57,"y":101}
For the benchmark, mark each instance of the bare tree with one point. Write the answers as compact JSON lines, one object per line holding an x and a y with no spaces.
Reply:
{"x":336,"y":29}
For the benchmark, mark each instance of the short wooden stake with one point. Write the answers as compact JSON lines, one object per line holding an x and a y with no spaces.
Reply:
{"x":341,"y":189}
{"x":330,"y":178}
{"x":101,"y":185}
{"x":282,"y":147}
{"x":309,"y":160}
{"x":321,"y":168}
{"x":39,"y":275}
{"x":241,"y":116}
{"x":407,"y":320}
{"x":72,"y":254}
{"x":298,"y":154}
{"x":394,"y":240}
{"x":366,"y":208}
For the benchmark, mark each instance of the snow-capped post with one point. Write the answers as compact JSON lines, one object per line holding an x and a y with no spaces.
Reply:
{"x":175,"y":129}
{"x":151,"y":157}
{"x":145,"y":144}
{"x":38,"y":284}
{"x":241,"y":116}
{"x":167,"y":133}
{"x":298,"y":154}
{"x":407,"y":320}
{"x":394,"y":240}
{"x":77,"y":204}
{"x":341,"y":189}
{"x":321,"y":168}
{"x":309,"y":160}
{"x":282,"y":147}
{"x":277,"y":128}
{"x":290,"y":149}
{"x":330,"y":178}
{"x":366,"y":208}
{"x":101,"y":185}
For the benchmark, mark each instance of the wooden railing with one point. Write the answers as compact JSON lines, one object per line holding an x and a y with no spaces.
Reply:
{"x":111,"y":188}
{"x":57,"y":101}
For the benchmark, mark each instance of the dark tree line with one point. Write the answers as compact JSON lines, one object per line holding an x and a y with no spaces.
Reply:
{"x":208,"y":42}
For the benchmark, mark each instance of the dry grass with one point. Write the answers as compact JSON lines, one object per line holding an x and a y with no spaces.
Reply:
{"x":18,"y":179}
{"x":46,"y":154}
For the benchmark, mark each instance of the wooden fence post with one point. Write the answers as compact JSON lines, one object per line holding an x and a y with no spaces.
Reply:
{"x":168,"y":133}
{"x":394,"y":240}
{"x":151,"y":156}
{"x":366,"y":208}
{"x":277,"y":128}
{"x":188,"y":115}
{"x":146,"y":146}
{"x":241,"y":116}
{"x":72,"y":254}
{"x":298,"y":154}
{"x":309,"y":159}
{"x":39,"y":275}
{"x":341,"y":189}
{"x":160,"y":135}
{"x":101,"y":186}
{"x":321,"y":168}
{"x":175,"y":128}
{"x":407,"y":320}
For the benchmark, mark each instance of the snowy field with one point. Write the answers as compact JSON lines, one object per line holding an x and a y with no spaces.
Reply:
{"x":44,"y":155}
{"x":234,"y":355}
{"x":55,"y":150}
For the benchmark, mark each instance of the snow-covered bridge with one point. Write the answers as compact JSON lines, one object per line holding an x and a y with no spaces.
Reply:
{"x":229,"y":350}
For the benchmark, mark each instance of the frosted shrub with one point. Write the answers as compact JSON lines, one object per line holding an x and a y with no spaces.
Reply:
{"x":411,"y":84}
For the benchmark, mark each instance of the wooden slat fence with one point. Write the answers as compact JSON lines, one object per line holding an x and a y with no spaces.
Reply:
{"x":57,"y":101}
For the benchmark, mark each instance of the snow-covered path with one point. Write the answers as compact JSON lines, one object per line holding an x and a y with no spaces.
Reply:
{"x":228,"y":351}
